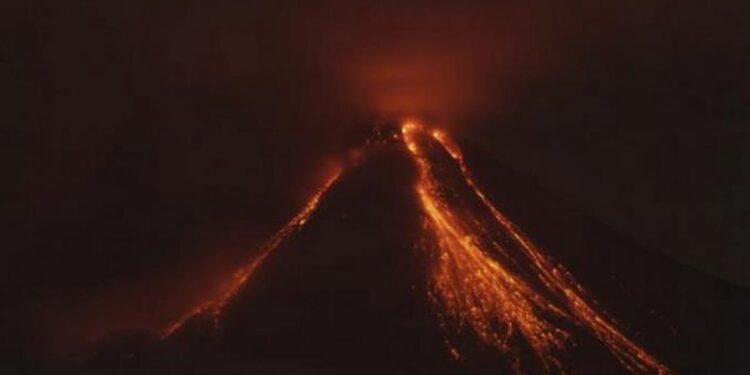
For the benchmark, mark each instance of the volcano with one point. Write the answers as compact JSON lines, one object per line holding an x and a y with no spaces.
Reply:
{"x":429,"y":257}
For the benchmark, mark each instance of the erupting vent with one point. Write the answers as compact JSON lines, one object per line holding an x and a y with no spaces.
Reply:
{"x":486,"y":277}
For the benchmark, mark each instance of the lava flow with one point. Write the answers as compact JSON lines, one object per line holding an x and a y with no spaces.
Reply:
{"x":214,"y":306}
{"x":486,"y":276}
{"x":489,"y":278}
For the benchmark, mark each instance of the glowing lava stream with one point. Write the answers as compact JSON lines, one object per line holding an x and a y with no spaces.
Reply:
{"x":214,"y":306}
{"x":489,"y":278}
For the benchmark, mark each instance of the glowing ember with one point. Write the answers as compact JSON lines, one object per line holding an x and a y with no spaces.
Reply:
{"x":489,"y":278}
{"x":215,"y":305}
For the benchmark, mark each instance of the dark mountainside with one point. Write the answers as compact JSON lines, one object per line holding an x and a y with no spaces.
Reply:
{"x":347,"y":293}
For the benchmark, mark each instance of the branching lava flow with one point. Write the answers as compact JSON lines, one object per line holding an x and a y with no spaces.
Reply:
{"x":488,"y":277}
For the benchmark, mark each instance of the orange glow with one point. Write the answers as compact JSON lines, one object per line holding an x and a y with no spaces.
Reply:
{"x":215,"y":305}
{"x":490,"y":279}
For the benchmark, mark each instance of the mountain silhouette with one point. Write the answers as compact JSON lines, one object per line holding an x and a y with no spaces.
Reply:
{"x":348,"y":293}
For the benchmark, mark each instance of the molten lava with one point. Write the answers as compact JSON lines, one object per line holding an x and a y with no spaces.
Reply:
{"x":489,"y":278}
{"x":486,"y":278}
{"x":214,"y":306}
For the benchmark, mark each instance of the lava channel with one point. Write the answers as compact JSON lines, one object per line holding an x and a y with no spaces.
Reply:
{"x":215,"y":305}
{"x":489,"y":278}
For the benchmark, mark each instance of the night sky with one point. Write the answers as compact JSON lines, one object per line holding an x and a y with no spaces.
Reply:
{"x":146,"y":141}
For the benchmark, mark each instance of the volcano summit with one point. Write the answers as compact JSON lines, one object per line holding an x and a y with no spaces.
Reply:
{"x":403,"y":263}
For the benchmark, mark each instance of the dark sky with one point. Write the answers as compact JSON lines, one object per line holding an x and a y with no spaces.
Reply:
{"x":142,"y":136}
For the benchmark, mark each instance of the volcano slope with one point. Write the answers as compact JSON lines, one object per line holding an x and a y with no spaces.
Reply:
{"x":349,"y":293}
